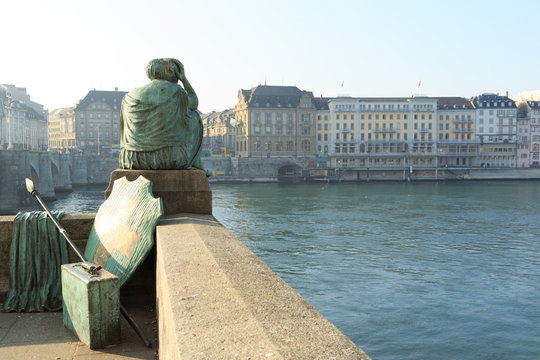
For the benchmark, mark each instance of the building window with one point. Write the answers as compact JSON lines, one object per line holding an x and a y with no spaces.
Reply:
{"x":305,"y":145}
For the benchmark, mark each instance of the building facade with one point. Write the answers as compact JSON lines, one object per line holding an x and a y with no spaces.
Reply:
{"x":530,"y":110}
{"x":275,"y":121}
{"x":218,"y":133}
{"x":456,"y":140}
{"x":62,"y":135}
{"x":496,"y":130}
{"x":23,"y":122}
{"x":382,"y":132}
{"x":523,"y":151}
{"x":97,"y":123}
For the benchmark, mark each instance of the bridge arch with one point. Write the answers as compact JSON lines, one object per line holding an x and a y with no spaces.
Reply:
{"x":34,"y":175}
{"x":55,"y":175}
{"x":289,"y":172}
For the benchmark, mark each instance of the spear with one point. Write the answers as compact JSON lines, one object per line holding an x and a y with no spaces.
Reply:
{"x":91,"y":268}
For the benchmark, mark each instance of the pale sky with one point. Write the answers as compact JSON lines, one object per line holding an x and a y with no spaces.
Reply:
{"x":59,"y":50}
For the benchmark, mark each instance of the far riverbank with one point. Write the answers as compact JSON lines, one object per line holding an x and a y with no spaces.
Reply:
{"x":390,"y":174}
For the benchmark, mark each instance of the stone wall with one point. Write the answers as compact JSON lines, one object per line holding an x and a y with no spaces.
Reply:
{"x":217,"y":300}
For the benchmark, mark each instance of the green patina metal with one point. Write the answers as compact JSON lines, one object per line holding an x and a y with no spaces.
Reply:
{"x":123,"y":231}
{"x":91,"y":305}
{"x":160,"y":126}
{"x":37,"y":251}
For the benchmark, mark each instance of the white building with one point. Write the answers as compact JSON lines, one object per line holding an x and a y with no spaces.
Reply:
{"x":23,"y":123}
{"x":532,"y":111}
{"x":496,"y":129}
{"x":524,"y":136}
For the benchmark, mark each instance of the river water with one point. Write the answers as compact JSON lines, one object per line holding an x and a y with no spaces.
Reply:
{"x":447,"y":270}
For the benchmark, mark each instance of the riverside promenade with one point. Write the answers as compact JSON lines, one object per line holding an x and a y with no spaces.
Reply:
{"x":214,"y":299}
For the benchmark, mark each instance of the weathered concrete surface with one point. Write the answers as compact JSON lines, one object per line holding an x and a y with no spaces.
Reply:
{"x":43,"y":336}
{"x":180,"y":190}
{"x":217,"y":300}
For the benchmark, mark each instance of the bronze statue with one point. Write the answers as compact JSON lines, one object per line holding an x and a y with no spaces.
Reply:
{"x":161,"y":128}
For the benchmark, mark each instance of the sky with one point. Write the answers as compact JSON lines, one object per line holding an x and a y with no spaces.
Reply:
{"x":59,"y":50}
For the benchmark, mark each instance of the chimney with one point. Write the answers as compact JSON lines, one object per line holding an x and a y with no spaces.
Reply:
{"x":116,"y":88}
{"x":506,"y":93}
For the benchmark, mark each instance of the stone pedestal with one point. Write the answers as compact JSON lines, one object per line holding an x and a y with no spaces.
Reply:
{"x":182,"y":191}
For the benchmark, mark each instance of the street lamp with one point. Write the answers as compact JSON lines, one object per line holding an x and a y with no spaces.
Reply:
{"x":10,"y":104}
{"x":98,"y":144}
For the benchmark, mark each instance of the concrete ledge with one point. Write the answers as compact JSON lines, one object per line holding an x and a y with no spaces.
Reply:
{"x":217,"y":300}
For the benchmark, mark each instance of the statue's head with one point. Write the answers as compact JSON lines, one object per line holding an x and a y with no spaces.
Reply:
{"x":164,"y":69}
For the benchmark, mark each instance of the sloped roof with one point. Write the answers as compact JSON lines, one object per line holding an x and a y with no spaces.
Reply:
{"x":534,"y":104}
{"x":111,"y":98}
{"x":321,"y":103}
{"x":274,"y":96}
{"x":492,"y":101}
{"x":61,"y":111}
{"x":452,"y":103}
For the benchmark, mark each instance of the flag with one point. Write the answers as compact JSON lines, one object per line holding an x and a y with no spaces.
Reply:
{"x":419,"y":83}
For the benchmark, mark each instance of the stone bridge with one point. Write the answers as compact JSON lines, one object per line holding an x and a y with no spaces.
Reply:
{"x":50,"y":172}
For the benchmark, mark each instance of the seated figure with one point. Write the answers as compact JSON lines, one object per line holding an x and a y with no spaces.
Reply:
{"x":160,"y":126}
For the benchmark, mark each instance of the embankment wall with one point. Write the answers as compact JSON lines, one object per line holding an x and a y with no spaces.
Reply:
{"x":215,"y":298}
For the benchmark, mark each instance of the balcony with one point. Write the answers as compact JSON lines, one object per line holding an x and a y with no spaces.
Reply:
{"x":463,"y":121}
{"x":385,"y":130}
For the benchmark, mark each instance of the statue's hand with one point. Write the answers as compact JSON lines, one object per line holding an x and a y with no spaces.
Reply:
{"x":180,"y":70}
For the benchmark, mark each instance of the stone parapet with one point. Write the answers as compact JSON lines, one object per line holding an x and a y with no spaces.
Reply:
{"x":182,"y":191}
{"x":218,"y":300}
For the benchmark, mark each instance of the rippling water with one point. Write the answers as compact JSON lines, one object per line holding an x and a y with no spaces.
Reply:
{"x":407,"y":271}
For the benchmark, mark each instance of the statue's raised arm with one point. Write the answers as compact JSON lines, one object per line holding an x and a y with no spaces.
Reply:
{"x":193,"y":101}
{"x":160,"y":126}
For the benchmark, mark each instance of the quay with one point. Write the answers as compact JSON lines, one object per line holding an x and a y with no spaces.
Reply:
{"x":214,"y":299}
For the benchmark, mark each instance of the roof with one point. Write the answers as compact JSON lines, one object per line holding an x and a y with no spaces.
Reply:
{"x":274,"y":96}
{"x":61,"y":111}
{"x":453,"y":103}
{"x":493,"y":101}
{"x":111,"y":98}
{"x":321,"y":103}
{"x":534,"y":104}
{"x":211,"y":119}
